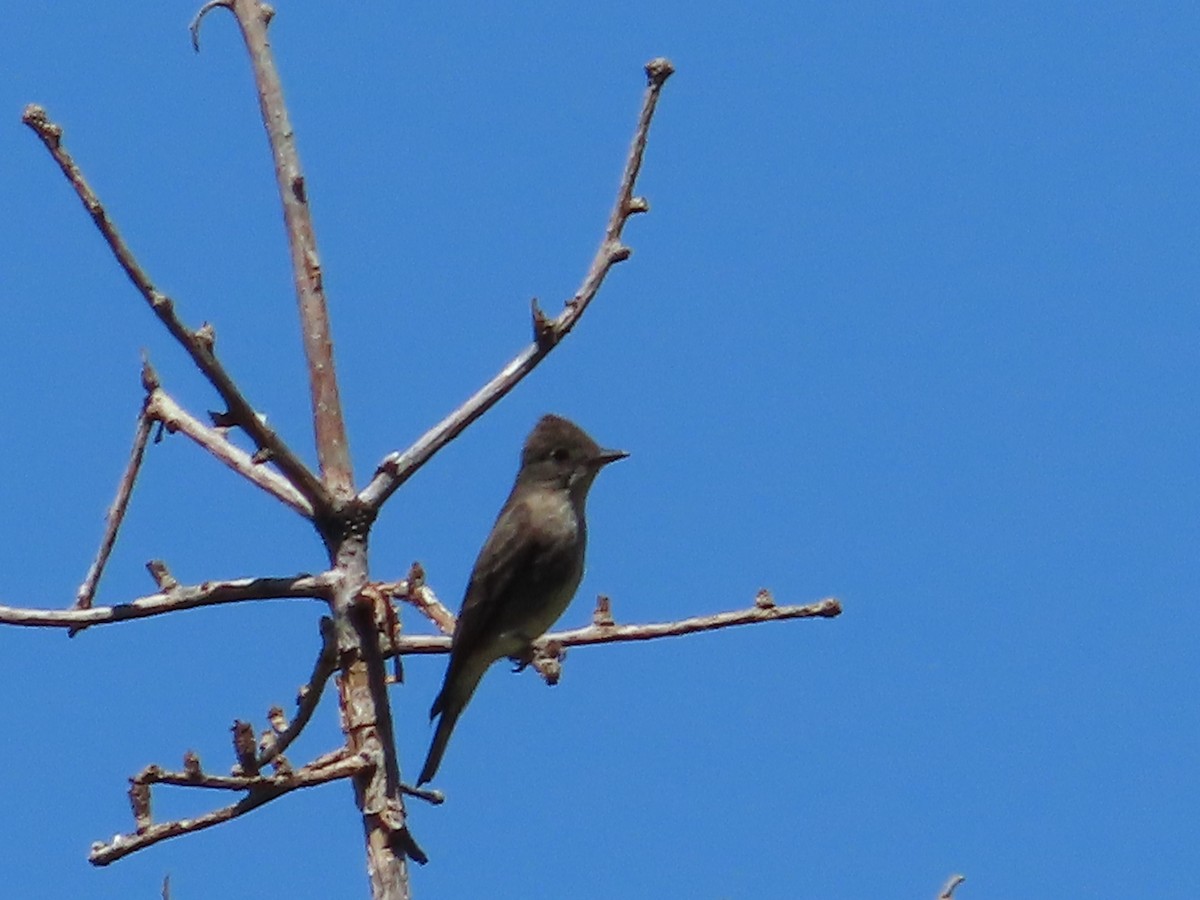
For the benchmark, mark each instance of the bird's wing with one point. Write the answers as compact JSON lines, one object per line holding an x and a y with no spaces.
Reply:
{"x":509,"y":552}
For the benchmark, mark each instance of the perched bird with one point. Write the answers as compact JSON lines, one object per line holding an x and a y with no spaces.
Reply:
{"x":528,"y":569}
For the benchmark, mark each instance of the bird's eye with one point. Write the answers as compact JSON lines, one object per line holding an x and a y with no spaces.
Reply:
{"x":559,"y":454}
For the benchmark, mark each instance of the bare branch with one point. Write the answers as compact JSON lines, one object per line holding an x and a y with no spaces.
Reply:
{"x":116,"y":512}
{"x":163,"y":408}
{"x":261,"y":790}
{"x":950,"y":886}
{"x":614,"y":634}
{"x":333,"y":451}
{"x":415,"y":591}
{"x":198,"y":344}
{"x":308,"y":697}
{"x":210,"y":593}
{"x":396,"y":468}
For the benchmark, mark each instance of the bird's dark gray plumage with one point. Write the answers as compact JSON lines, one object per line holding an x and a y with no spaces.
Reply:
{"x":528,"y":569}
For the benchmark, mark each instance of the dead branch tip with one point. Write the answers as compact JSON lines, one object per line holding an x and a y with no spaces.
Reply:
{"x":602,"y":616}
{"x":948,"y":890}
{"x":35,"y":117}
{"x":658,"y":70}
{"x":194,"y":28}
{"x":150,"y":380}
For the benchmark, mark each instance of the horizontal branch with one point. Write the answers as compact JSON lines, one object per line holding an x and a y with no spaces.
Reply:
{"x":209,"y":593}
{"x":199,"y":343}
{"x":614,"y":634}
{"x":396,"y":468}
{"x":262,"y":789}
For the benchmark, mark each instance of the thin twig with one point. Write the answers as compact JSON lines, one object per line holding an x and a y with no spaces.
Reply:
{"x":198,"y":344}
{"x":396,"y":468}
{"x":262,"y":790}
{"x":116,"y":512}
{"x":174,"y":417}
{"x":420,"y":595}
{"x":210,"y":593}
{"x":333,"y":450}
{"x":308,"y":697}
{"x":614,"y":634}
{"x":951,"y":884}
{"x":430,"y":796}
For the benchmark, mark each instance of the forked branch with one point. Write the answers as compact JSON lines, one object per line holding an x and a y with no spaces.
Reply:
{"x":259,"y":789}
{"x":199,"y":344}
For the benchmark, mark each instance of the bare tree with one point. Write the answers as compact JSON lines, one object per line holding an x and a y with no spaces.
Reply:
{"x":362,"y":631}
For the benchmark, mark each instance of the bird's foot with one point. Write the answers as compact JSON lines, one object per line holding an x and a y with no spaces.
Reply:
{"x":522,"y":661}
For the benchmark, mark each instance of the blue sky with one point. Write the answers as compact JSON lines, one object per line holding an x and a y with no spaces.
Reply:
{"x":912,"y":322}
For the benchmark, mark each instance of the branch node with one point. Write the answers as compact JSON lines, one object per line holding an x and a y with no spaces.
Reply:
{"x":763,"y":599}
{"x":602,"y":617}
{"x":637,"y":205}
{"x":244,"y":747}
{"x":206,"y":337}
{"x":162,"y":576}
{"x":619,"y":252}
{"x":150,"y":380}
{"x":191,"y":765}
{"x":545,"y":334}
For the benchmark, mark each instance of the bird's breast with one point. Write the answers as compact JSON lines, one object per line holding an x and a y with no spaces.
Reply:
{"x":552,"y":515}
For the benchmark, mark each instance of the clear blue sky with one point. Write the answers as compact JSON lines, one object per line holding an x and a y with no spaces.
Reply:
{"x":912,"y":322}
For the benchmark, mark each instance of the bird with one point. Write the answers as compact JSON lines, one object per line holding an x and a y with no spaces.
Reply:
{"x":528,"y":569}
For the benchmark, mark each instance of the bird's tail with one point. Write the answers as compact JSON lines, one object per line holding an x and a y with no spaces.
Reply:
{"x":450,"y":703}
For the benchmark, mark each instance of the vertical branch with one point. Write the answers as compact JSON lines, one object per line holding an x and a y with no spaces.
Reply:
{"x":366,"y":715}
{"x":333,"y":450}
{"x":367,"y":723}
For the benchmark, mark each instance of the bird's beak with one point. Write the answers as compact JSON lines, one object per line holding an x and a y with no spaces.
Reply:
{"x":604,"y":457}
